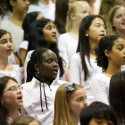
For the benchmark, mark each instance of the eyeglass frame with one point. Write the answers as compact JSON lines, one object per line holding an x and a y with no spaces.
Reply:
{"x":13,"y":88}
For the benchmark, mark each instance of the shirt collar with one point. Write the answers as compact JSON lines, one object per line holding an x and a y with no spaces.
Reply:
{"x":35,"y":82}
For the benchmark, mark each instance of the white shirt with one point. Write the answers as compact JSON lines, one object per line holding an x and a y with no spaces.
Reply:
{"x":17,"y":73}
{"x":47,"y":10}
{"x":100,"y":87}
{"x":67,"y":47}
{"x":31,"y":100}
{"x":77,"y":74}
{"x":15,"y":31}
{"x":23,"y":45}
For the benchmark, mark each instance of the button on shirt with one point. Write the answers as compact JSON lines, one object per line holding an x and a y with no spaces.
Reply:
{"x":31,"y":100}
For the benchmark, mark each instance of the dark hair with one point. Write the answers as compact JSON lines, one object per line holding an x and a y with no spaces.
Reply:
{"x":60,"y":15}
{"x":117,"y":94}
{"x":105,"y":43}
{"x":28,"y":20}
{"x":97,"y":110}
{"x":36,"y":58}
{"x":3,"y":32}
{"x":9,"y":5}
{"x":23,"y":120}
{"x":36,"y":40}
{"x":83,"y":44}
{"x":3,"y":110}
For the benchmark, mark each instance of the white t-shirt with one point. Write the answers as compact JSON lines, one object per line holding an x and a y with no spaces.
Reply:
{"x":47,"y":10}
{"x":17,"y":73}
{"x":100,"y":87}
{"x":31,"y":100}
{"x":67,"y":47}
{"x":77,"y":74}
{"x":15,"y":31}
{"x":23,"y":45}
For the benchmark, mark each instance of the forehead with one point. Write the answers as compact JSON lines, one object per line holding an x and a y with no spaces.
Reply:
{"x":97,"y":20}
{"x":49,"y":23}
{"x":82,"y":6}
{"x":11,"y":83}
{"x":7,"y":35}
{"x":79,"y":92}
{"x":49,"y":54}
{"x":119,"y":41}
{"x":120,"y":10}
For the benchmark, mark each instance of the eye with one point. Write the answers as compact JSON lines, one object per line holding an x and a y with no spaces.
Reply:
{"x":84,"y":11}
{"x":3,"y":41}
{"x":10,"y":40}
{"x":48,"y":27}
{"x":49,"y":61}
{"x":12,"y":88}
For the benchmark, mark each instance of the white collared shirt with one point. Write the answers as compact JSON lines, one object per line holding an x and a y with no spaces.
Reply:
{"x":31,"y":100}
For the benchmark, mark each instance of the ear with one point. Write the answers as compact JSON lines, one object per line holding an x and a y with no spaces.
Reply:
{"x":86,"y":33}
{"x":36,"y":67}
{"x":72,"y":16}
{"x":12,"y":3}
{"x":107,"y":53}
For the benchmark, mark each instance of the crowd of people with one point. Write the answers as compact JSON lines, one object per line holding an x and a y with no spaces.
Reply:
{"x":62,"y":62}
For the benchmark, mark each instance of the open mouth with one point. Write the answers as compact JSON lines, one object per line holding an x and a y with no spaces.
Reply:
{"x":54,"y":36}
{"x":55,"y":71}
{"x":19,"y":98}
{"x":9,"y":50}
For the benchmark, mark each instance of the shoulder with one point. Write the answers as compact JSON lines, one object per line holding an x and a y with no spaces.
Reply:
{"x":64,"y":36}
{"x":76,"y":56}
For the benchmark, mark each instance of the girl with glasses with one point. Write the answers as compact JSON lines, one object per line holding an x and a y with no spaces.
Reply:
{"x":10,"y":99}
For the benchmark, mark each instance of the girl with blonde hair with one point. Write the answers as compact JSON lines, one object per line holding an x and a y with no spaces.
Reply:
{"x":69,"y":100}
{"x":68,"y":41}
{"x":116,"y":21}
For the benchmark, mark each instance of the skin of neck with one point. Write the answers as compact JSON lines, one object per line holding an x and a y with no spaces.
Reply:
{"x":121,"y":33}
{"x":75,"y":119}
{"x":3,"y":63}
{"x":13,"y":113}
{"x":17,"y":18}
{"x":46,"y":2}
{"x":74,"y":31}
{"x":112,"y":68}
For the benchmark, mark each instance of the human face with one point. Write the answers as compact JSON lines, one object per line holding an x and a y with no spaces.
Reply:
{"x":39,"y":16}
{"x":82,"y":11}
{"x":119,"y":20}
{"x":20,"y":6}
{"x":49,"y":65}
{"x":97,"y":121}
{"x":117,"y":54}
{"x":49,"y":33}
{"x":119,"y":2}
{"x":71,"y":1}
{"x":12,"y":99}
{"x":96,"y":30}
{"x":6,"y":46}
{"x":34,"y":123}
{"x":77,"y":102}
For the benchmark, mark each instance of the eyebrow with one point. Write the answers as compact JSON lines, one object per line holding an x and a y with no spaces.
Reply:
{"x":119,"y":45}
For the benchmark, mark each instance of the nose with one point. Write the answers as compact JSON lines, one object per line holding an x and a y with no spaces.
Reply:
{"x":54,"y":30}
{"x":84,"y":103}
{"x":28,"y":2}
{"x":9,"y":44}
{"x":55,"y":64}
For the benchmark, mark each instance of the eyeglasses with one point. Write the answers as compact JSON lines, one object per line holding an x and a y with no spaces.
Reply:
{"x":13,"y":88}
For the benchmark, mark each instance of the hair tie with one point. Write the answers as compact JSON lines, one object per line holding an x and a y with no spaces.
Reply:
{"x":70,"y":87}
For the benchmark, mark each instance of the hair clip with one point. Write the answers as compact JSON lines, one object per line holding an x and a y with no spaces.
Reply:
{"x":70,"y":87}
